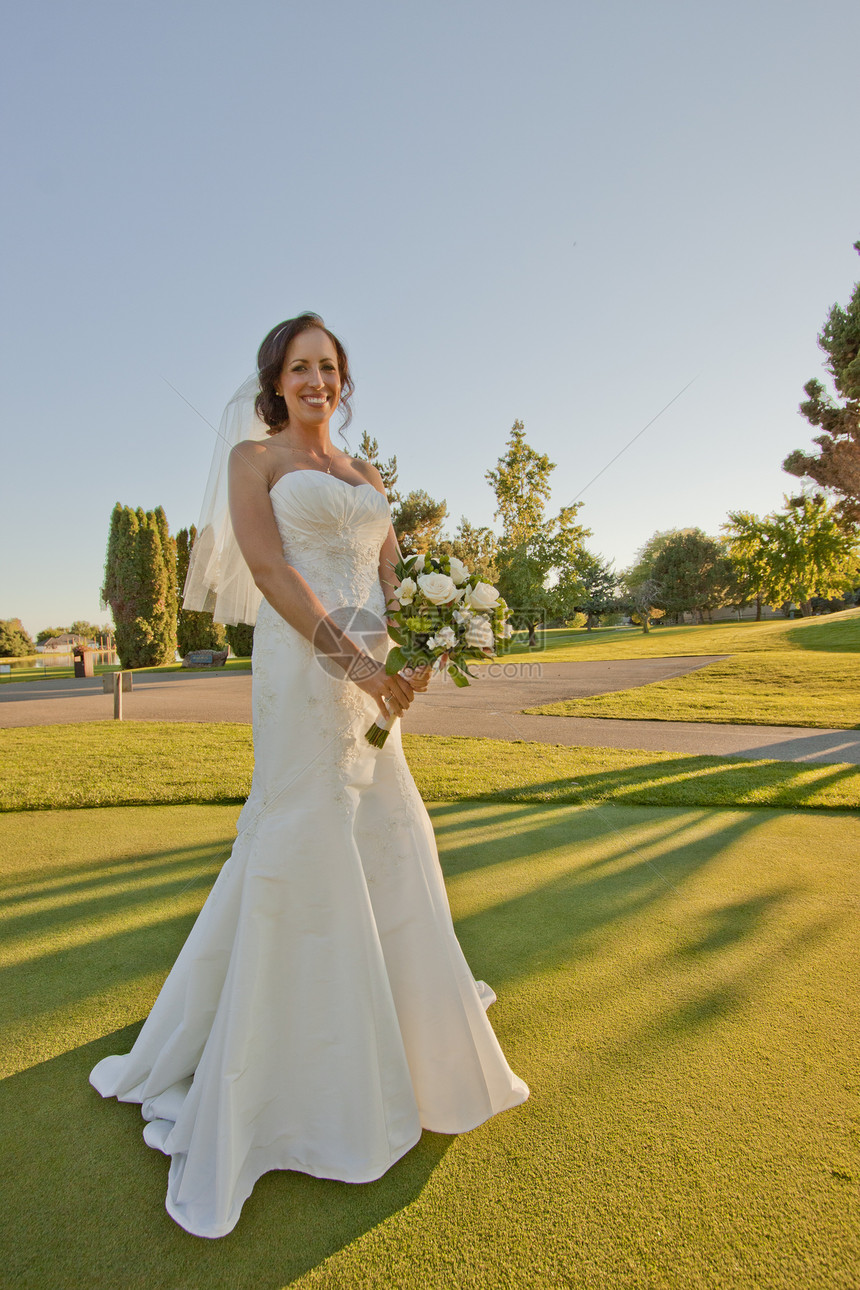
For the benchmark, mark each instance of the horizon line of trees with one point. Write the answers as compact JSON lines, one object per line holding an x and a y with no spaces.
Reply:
{"x":806,"y":554}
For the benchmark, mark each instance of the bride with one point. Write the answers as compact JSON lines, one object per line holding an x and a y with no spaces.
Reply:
{"x":321,"y":1012}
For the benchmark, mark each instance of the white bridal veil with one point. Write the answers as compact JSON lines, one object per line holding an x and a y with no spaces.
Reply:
{"x":219,"y":581}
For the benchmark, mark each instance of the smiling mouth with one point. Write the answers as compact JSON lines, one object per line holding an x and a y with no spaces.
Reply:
{"x":315,"y":400}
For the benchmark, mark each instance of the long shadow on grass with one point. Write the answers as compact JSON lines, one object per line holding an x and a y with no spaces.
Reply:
{"x":126,"y":919}
{"x":678,"y":782}
{"x":86,"y":1208}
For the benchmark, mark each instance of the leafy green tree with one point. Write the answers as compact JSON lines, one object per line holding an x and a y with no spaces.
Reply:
{"x":15,"y":640}
{"x":241,"y":638}
{"x":693,"y":574}
{"x":194,"y":630}
{"x":837,"y":465}
{"x":749,"y":542}
{"x":599,"y":594}
{"x":641,"y":601}
{"x":137,"y":587}
{"x":476,"y":547}
{"x":642,"y":568}
{"x":368,"y":450}
{"x":89,"y":631}
{"x":815,"y":555}
{"x":418,"y":521}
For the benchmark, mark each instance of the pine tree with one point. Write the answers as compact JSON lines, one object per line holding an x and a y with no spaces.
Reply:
{"x":837,"y":465}
{"x":418,"y":521}
{"x":368,"y":449}
{"x":521,"y":484}
{"x":538,"y":560}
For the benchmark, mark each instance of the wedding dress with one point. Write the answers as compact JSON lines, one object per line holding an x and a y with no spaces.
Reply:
{"x":321,"y":1012}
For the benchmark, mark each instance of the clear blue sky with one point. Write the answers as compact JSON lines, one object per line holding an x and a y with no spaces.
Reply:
{"x":554,"y":211}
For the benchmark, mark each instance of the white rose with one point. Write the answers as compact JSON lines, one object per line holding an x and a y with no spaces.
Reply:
{"x":445,"y":638}
{"x":461,"y":616}
{"x":507,"y":632}
{"x":431,"y":642}
{"x":479,"y":634}
{"x":437,"y":587}
{"x":483,"y":596}
{"x":405,"y":593}
{"x":459,"y":572}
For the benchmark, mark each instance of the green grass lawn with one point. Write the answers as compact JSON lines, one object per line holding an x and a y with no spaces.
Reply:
{"x":780,"y":673}
{"x":108,"y":763}
{"x":769,"y":689}
{"x":839,"y":633}
{"x":65,"y":673}
{"x":677,"y":986}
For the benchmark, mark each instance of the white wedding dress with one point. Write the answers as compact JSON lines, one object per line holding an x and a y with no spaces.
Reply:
{"x":321,"y":1012}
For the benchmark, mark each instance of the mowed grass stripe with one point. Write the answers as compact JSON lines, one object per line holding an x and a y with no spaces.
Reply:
{"x":817,"y":690}
{"x":116,"y":764}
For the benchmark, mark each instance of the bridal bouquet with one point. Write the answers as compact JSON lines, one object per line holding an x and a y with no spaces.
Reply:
{"x":441,"y":615}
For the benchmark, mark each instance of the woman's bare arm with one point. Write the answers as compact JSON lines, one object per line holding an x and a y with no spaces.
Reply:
{"x":284,"y":587}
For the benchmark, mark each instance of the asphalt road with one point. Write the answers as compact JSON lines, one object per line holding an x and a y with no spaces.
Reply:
{"x":490,"y":707}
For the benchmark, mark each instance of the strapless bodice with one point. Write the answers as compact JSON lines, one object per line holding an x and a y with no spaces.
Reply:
{"x":332,"y":533}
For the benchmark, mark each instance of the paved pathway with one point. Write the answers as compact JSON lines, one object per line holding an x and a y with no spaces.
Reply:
{"x":490,"y":707}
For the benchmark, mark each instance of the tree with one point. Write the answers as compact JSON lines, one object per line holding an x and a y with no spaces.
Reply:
{"x":599,"y":589}
{"x":137,"y":586}
{"x":48,"y":633}
{"x":539,"y":560}
{"x":418,"y":521}
{"x":814,"y":553}
{"x":241,"y":638}
{"x":749,"y":544}
{"x":642,"y":602}
{"x":194,"y":630}
{"x":837,"y":465}
{"x":89,"y":631}
{"x":368,"y":449}
{"x":15,"y":640}
{"x":476,"y":547}
{"x":521,"y":484}
{"x":168,"y":550}
{"x":642,"y":568}
{"x":693,"y":574}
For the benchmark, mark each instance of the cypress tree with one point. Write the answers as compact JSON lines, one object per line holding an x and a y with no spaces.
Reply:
{"x":137,"y":586}
{"x":194,"y":630}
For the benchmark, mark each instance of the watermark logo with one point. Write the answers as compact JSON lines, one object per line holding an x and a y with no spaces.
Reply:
{"x":364,"y":628}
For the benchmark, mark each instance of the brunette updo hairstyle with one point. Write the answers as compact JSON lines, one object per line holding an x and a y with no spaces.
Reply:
{"x":271,"y":407}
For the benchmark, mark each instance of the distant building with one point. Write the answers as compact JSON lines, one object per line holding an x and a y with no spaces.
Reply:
{"x":64,"y":642}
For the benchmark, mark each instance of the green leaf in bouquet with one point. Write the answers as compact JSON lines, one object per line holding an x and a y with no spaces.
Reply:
{"x":395,"y":634}
{"x":456,"y":676}
{"x":395,"y":661}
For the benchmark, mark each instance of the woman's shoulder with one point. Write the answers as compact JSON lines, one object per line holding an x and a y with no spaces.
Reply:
{"x":368,"y":472}
{"x":260,"y":454}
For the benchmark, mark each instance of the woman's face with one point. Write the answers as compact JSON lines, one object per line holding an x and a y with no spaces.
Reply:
{"x":310,"y":380}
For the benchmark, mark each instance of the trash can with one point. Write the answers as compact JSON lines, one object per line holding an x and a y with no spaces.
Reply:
{"x":83,"y":661}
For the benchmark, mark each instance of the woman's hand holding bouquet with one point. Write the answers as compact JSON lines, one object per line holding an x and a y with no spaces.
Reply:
{"x":441,"y":616}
